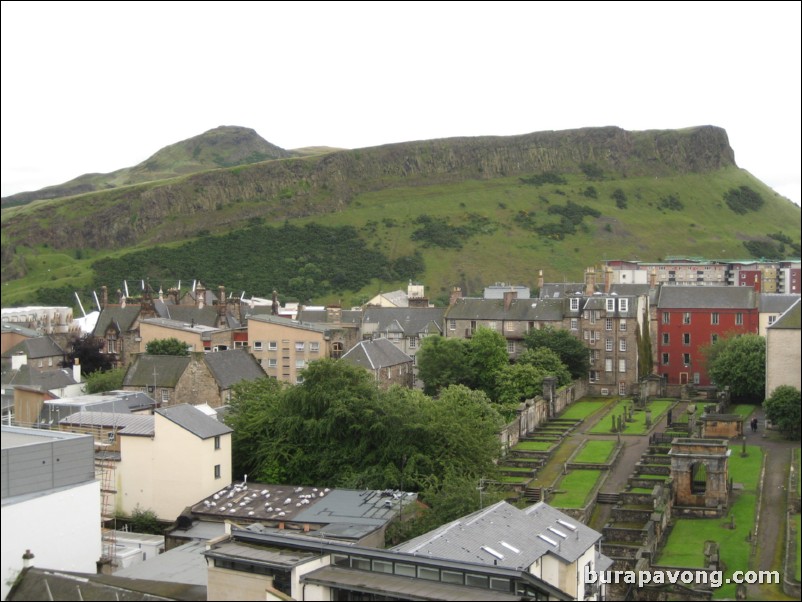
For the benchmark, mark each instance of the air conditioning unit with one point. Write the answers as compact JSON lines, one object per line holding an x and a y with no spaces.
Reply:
{"x":605,"y":391}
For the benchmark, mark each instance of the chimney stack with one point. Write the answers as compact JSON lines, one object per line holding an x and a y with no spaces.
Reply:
{"x":509,"y":297}
{"x":608,"y":279}
{"x":221,"y":306}
{"x":590,"y":281}
{"x":76,"y":370}
{"x":104,"y":297}
{"x":539,"y":281}
{"x":653,"y":278}
{"x":456,"y":293}
{"x":200,"y":296}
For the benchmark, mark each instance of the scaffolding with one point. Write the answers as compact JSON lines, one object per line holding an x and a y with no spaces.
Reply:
{"x":105,"y":471}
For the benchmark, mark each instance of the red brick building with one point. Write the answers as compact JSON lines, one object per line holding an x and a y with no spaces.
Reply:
{"x":690,"y":318}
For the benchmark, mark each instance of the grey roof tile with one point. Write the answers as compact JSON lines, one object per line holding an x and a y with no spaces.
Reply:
{"x":412,"y":321}
{"x":155,"y":370}
{"x":233,"y":366}
{"x":35,"y":348}
{"x":193,"y":420}
{"x":775,"y":303}
{"x":376,"y":354}
{"x":790,"y":320}
{"x":707,"y":297}
{"x":127,"y":424}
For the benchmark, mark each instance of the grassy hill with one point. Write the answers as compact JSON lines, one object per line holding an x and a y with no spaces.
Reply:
{"x":468,"y":212}
{"x":224,"y":146}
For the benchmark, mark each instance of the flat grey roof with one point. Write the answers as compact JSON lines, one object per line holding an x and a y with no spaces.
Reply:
{"x":184,"y":564}
{"x":14,"y":436}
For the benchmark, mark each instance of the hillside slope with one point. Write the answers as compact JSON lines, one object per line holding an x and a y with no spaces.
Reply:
{"x":224,"y":146}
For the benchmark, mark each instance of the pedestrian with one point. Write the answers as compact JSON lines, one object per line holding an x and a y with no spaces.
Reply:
{"x":754,"y":425}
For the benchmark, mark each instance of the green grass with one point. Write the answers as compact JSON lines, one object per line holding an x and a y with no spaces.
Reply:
{"x":653,"y":477}
{"x":685,"y":544}
{"x":534,"y":445}
{"x":639,"y":490}
{"x":579,"y":410}
{"x":744,"y":410}
{"x":515,"y":480}
{"x":638,"y":426}
{"x":575,"y":487}
{"x":595,"y":452}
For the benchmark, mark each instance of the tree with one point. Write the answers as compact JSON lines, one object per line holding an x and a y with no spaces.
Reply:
{"x":518,"y":382}
{"x":87,"y":350}
{"x":487,"y":356}
{"x":570,"y":350}
{"x":442,"y":362}
{"x":548,"y":361}
{"x":100,"y":382}
{"x":738,"y":362}
{"x":171,"y":346}
{"x":783,"y":409}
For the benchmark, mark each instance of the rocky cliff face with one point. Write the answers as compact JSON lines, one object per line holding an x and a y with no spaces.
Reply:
{"x":295,"y":187}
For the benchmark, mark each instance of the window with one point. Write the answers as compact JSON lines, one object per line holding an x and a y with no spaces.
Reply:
{"x":608,"y":344}
{"x":300,"y":346}
{"x":665,"y":338}
{"x":686,"y":318}
{"x":509,"y":325}
{"x":592,"y":317}
{"x":492,"y":325}
{"x":299,"y":364}
{"x":739,"y":319}
{"x":112,"y":436}
{"x":622,"y":325}
{"x":165,"y":395}
{"x":610,"y":304}
{"x":608,"y":364}
{"x":593,"y":376}
{"x":272,"y":345}
{"x":666,"y":318}
{"x":217,"y":441}
{"x":299,"y":380}
{"x":714,"y":338}
{"x":623,"y":305}
{"x":452,"y":324}
{"x":622,"y":388}
{"x":574,"y":324}
{"x":608,"y":324}
{"x":510,"y":346}
{"x":686,"y":338}
{"x":665,"y":360}
{"x":772,"y":320}
{"x":111,"y":344}
{"x":257,"y":345}
{"x":413,"y":342}
{"x":314,"y":347}
{"x":622,"y":365}
{"x":622,"y":344}
{"x":218,"y":473}
{"x":686,"y":359}
{"x":586,"y":335}
{"x":575,"y":304}
{"x":714,"y":318}
{"x":272,"y":363}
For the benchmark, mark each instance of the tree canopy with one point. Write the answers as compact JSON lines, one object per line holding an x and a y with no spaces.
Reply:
{"x":171,"y":346}
{"x":783,"y":409}
{"x":87,"y":350}
{"x":100,"y":382}
{"x":739,"y":362}
{"x":571,"y":351}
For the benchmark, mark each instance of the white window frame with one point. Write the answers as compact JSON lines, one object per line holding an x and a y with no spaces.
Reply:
{"x":622,"y":344}
{"x":272,"y":346}
{"x":622,"y":365}
{"x":272,"y":362}
{"x":623,"y":305}
{"x":574,"y":303}
{"x":510,"y":346}
{"x":452,"y":324}
{"x":739,"y":319}
{"x":574,"y":324}
{"x":314,"y":347}
{"x":257,"y":345}
{"x":608,"y":323}
{"x":608,"y":344}
{"x":714,"y":318}
{"x":608,"y":364}
{"x":300,"y":346}
{"x":609,"y":304}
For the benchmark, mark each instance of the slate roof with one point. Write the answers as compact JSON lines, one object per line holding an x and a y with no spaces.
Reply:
{"x":790,"y":320}
{"x":44,"y":584}
{"x":496,"y":291}
{"x":128,"y":424}
{"x":182,"y":564}
{"x":123,"y":317}
{"x":410,"y":321}
{"x":18,"y":329}
{"x":707,"y":297}
{"x":179,"y":325}
{"x":503,"y":535}
{"x":206,"y":316}
{"x":193,"y":420}
{"x":168,"y":370}
{"x":36,"y":348}
{"x":375,"y":354}
{"x":123,"y":402}
{"x":773,"y":303}
{"x":525,"y":310}
{"x":233,"y":366}
{"x":555,"y":290}
{"x":44,"y":380}
{"x":321,"y":316}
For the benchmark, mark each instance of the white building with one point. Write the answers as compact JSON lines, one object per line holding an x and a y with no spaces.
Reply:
{"x":50,"y":502}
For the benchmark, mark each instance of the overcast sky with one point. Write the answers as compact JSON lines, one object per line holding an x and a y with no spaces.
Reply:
{"x":96,"y":86}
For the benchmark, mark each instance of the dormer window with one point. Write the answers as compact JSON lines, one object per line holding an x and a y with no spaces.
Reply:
{"x":610,"y":304}
{"x":575,"y":304}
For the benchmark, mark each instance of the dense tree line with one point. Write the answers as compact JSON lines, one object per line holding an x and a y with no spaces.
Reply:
{"x":302,"y":262}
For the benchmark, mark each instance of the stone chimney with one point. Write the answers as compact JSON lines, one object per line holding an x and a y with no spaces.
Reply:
{"x":104,"y":297}
{"x":121,"y":297}
{"x":418,"y":302}
{"x":76,"y":370}
{"x":653,"y":278}
{"x":540,"y":280}
{"x":274,"y":305}
{"x":509,"y":296}
{"x":456,"y":293}
{"x":200,"y":296}
{"x":608,"y":279}
{"x":221,"y":306}
{"x":590,"y":281}
{"x":334,"y":314}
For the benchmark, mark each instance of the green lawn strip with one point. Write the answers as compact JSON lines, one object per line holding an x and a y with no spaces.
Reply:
{"x":582,"y":409}
{"x":515,"y":480}
{"x":638,"y":426}
{"x":655,"y":477}
{"x":534,"y":445}
{"x":575,"y":488}
{"x":797,"y":570}
{"x":742,"y":409}
{"x":595,"y":452}
{"x":516,"y":469}
{"x":639,"y":490}
{"x":685,"y":545}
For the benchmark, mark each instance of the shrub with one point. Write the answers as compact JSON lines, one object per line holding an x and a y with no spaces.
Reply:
{"x":743,"y":199}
